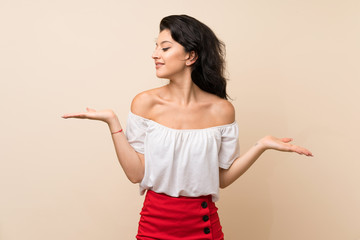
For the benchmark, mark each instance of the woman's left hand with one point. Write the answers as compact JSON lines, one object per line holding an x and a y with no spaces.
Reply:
{"x":283,"y":144}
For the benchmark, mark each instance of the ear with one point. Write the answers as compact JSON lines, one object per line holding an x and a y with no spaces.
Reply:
{"x":192,"y":58}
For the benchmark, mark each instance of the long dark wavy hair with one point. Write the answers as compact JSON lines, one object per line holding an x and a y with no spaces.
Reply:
{"x":208,"y":70}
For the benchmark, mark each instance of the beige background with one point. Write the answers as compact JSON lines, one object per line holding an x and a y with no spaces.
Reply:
{"x":294,"y":70}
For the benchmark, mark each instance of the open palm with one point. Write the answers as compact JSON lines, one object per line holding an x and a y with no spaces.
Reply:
{"x":283,"y":144}
{"x":103,"y":115}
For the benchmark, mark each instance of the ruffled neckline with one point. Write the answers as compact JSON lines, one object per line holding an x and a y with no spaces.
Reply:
{"x":183,"y":130}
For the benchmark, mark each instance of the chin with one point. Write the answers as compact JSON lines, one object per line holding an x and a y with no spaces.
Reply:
{"x":161,"y":75}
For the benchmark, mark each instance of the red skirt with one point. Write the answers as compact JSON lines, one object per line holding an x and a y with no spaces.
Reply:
{"x":174,"y":218}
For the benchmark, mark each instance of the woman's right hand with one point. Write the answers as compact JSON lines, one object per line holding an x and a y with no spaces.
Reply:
{"x":132,"y":162}
{"x":103,"y":115}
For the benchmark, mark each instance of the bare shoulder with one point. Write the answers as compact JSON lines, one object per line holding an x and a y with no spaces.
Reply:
{"x":143,"y":102}
{"x":223,"y":111}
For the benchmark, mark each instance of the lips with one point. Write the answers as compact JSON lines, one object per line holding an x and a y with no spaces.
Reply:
{"x":158,"y":65}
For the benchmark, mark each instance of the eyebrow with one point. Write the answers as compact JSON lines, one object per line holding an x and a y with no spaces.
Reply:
{"x":164,"y":42}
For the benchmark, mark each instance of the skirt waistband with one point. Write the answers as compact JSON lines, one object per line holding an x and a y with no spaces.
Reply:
{"x":163,"y":195}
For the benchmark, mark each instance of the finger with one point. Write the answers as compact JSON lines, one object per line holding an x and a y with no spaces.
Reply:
{"x":301,"y":150}
{"x":90,"y":110}
{"x":286,"y":140}
{"x":306,"y":152}
{"x":66,"y":115}
{"x":74,"y":115}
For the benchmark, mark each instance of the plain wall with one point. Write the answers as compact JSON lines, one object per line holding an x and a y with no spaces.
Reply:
{"x":294,"y":72}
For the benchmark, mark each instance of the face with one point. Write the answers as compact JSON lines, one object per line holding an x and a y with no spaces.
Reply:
{"x":170,"y":57}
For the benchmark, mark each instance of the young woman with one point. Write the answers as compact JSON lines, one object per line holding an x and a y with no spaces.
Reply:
{"x":181,"y":142}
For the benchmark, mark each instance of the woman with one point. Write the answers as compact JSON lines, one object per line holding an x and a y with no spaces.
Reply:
{"x":181,"y":142}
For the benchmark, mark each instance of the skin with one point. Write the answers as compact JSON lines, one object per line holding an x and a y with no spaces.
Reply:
{"x":181,"y":105}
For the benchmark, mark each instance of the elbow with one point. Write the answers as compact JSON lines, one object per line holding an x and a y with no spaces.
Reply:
{"x":135,"y":175}
{"x":135,"y":179}
{"x":223,"y":185}
{"x":222,"y":178}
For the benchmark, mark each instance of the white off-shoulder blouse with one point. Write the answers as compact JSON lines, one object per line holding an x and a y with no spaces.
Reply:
{"x":182,"y":162}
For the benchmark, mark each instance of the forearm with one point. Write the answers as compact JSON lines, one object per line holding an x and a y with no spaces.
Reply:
{"x":129,"y":159}
{"x":240,"y":165}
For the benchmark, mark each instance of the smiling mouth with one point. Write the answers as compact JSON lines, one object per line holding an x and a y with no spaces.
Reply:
{"x":158,"y":65}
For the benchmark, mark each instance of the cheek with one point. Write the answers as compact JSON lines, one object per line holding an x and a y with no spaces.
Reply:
{"x":176,"y":60}
{"x":176,"y":55}
{"x":176,"y":66}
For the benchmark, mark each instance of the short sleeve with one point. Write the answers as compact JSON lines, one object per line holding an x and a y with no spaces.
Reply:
{"x":136,"y":131}
{"x":229,"y":148}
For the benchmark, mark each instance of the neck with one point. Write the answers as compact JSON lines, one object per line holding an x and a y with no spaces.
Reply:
{"x":182,"y":90}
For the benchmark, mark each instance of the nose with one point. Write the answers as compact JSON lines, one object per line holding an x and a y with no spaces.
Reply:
{"x":155,"y":54}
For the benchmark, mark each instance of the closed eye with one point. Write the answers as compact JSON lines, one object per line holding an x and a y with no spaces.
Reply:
{"x":165,"y":49}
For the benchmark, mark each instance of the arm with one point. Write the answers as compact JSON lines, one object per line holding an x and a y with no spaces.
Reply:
{"x":131,"y":161}
{"x":243,"y":163}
